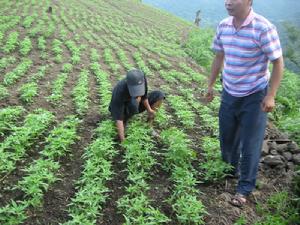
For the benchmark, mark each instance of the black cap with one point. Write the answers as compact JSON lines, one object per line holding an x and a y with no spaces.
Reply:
{"x":135,"y":82}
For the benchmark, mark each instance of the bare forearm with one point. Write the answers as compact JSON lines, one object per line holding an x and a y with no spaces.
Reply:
{"x":215,"y":69}
{"x":276,"y":76}
{"x":120,"y":129}
{"x":147,"y":105}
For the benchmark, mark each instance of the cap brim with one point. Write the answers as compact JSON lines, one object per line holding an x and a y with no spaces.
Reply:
{"x":136,"y":90}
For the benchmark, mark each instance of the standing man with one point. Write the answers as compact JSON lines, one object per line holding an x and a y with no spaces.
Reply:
{"x":130,"y":96}
{"x":244,"y":44}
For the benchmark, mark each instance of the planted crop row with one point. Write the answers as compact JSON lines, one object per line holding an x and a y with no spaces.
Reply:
{"x":176,"y":77}
{"x":11,"y":42}
{"x":14,"y":147}
{"x":109,"y":60}
{"x":41,"y":173}
{"x":75,"y":51}
{"x":182,"y":110}
{"x":59,"y":83}
{"x":8,"y":118}
{"x":57,"y":49}
{"x":213,"y":167}
{"x":124,"y":60}
{"x":104,"y":86}
{"x":135,"y":204}
{"x":86,"y":205}
{"x":25,"y":46}
{"x":6,"y":62}
{"x":141,"y":64}
{"x":196,"y":77}
{"x":81,"y":93}
{"x":3,"y":92}
{"x":11,"y":77}
{"x":178,"y":158}
{"x":30,"y":89}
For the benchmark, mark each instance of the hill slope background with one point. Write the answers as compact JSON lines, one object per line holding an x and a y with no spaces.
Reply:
{"x":59,"y":160}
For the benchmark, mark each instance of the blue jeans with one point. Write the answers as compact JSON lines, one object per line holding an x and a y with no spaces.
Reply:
{"x":242,"y":128}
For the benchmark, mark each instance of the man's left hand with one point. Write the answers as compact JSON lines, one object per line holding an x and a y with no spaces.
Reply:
{"x":268,"y":104}
{"x":151,"y":114}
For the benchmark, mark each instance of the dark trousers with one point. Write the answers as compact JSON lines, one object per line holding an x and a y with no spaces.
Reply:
{"x":242,"y":128}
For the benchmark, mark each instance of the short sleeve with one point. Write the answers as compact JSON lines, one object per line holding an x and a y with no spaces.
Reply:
{"x":270,"y":43}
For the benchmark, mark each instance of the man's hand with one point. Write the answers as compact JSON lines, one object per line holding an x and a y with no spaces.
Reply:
{"x":210,"y":94}
{"x":268,"y":103}
{"x":151,"y":114}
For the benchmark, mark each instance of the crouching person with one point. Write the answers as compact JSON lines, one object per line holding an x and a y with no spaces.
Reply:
{"x":130,"y":96}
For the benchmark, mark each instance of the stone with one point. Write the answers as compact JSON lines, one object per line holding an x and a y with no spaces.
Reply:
{"x":296,"y":159}
{"x":290,"y":166}
{"x":284,"y":136}
{"x":281,"y":148}
{"x":265,"y":148}
{"x":273,"y":152}
{"x":272,"y":145}
{"x":293,"y":147}
{"x":288,"y":156}
{"x":273,"y":160}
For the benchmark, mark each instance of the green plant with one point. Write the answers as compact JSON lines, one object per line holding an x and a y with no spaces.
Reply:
{"x":3,"y":92}
{"x":25,"y":46}
{"x":8,"y":117}
{"x":81,"y":93}
{"x":28,"y":91}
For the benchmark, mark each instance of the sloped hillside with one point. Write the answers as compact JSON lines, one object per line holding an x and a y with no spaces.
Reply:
{"x":60,"y":162}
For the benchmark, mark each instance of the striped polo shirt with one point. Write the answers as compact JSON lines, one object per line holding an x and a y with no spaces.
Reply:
{"x":248,"y":52}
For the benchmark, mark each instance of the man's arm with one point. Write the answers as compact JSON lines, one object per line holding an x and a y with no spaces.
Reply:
{"x":215,"y":70}
{"x":268,"y":103}
{"x":150,"y":111}
{"x":120,"y":129}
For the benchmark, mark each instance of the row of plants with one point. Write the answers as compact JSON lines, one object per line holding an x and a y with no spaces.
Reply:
{"x":29,"y":20}
{"x":41,"y":173}
{"x":25,"y":46}
{"x":11,"y":43}
{"x":12,"y":76}
{"x":75,"y":51}
{"x":57,"y":50}
{"x":109,"y":60}
{"x":212,"y":168}
{"x":104,"y":86}
{"x":182,"y":110}
{"x":178,"y":161}
{"x":80,"y":93}
{"x":135,"y":204}
{"x":5,"y":62}
{"x":137,"y":56}
{"x":200,"y":79}
{"x":59,"y":84}
{"x":14,"y":147}
{"x":92,"y":191}
{"x":9,"y":117}
{"x":123,"y":59}
{"x":29,"y":90}
{"x":8,"y":22}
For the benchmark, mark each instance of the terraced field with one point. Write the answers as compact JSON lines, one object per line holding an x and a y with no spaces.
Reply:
{"x":60,"y":162}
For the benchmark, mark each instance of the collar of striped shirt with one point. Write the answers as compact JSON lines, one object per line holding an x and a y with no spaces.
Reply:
{"x":246,"y":22}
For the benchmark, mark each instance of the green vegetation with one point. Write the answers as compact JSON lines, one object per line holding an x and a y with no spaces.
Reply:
{"x":67,"y":61}
{"x":287,"y":113}
{"x":279,"y":210}
{"x":198,"y":46}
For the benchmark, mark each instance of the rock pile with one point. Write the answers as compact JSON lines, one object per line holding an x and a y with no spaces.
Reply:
{"x":280,"y":154}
